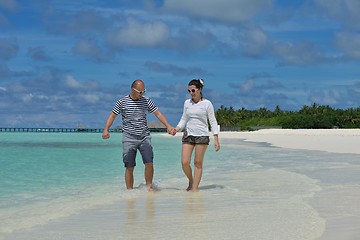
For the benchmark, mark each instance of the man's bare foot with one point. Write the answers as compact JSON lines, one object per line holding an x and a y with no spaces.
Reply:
{"x":189,"y":187}
{"x":150,"y":188}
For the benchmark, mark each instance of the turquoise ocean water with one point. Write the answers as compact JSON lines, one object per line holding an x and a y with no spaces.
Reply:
{"x":37,"y":167}
{"x":49,"y":176}
{"x":41,"y":169}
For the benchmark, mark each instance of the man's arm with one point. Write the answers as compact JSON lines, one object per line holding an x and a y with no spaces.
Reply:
{"x":163,"y":119}
{"x":108,"y":124}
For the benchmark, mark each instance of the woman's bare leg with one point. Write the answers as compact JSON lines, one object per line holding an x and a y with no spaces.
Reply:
{"x":186,"y":153}
{"x":200,"y":150}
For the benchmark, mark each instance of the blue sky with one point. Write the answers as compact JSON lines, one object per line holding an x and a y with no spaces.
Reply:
{"x":64,"y":63}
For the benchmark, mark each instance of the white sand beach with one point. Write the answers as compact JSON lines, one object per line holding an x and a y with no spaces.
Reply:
{"x":340,"y":205}
{"x":242,"y":195}
{"x":330,"y":140}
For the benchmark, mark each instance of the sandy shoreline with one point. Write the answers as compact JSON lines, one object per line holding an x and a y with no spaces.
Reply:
{"x":329,"y":140}
{"x":343,"y":141}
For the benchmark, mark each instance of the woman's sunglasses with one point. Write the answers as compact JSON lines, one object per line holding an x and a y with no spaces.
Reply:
{"x":192,"y":90}
{"x":140,"y":92}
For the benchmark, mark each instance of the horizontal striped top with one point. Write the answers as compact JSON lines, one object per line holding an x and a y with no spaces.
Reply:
{"x":133,"y":114}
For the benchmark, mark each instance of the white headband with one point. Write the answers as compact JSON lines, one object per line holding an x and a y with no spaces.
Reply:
{"x":201,"y":81}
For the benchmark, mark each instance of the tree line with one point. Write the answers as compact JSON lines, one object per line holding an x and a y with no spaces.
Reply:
{"x":313,"y":117}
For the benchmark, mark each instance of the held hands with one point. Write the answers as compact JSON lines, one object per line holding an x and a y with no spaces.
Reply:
{"x":172,"y":131}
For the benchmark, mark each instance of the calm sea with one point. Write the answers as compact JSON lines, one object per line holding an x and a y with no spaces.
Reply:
{"x":41,"y":166}
{"x":48,"y":176}
{"x":70,"y":172}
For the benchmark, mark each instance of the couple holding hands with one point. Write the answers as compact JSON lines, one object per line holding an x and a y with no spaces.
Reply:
{"x":197,"y":112}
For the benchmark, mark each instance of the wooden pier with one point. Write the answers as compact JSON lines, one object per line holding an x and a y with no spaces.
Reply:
{"x":70,"y":130}
{"x":73,"y":130}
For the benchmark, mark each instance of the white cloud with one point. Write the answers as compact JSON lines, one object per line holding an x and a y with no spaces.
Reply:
{"x":346,"y":11}
{"x":27,"y":97}
{"x":223,"y":10}
{"x":89,"y":48}
{"x":140,"y":34}
{"x":74,"y":23}
{"x":247,"y":86}
{"x":8,"y":48}
{"x":301,"y":54}
{"x":90,"y":98}
{"x":255,"y":40}
{"x":324,"y":97}
{"x":17,"y":87}
{"x":349,"y":43}
{"x":10,"y":5}
{"x":173,"y":69}
{"x":333,"y":8}
{"x":354,"y":90}
{"x":71,"y":82}
{"x":38,"y":54}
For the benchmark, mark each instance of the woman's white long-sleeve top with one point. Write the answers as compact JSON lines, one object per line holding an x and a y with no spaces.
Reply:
{"x":195,"y":118}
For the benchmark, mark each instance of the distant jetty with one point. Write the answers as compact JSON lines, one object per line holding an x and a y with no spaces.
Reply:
{"x":71,"y":130}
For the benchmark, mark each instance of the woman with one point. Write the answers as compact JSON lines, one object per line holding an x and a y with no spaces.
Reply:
{"x":198,"y":111}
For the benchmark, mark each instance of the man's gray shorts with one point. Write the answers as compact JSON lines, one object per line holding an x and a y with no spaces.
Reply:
{"x":132,"y":143}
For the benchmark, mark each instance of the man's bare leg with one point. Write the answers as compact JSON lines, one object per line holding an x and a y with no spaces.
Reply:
{"x":129,"y":178}
{"x":149,"y":173}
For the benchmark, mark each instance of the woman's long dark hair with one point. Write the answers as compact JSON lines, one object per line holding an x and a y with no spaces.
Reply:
{"x":198,"y":83}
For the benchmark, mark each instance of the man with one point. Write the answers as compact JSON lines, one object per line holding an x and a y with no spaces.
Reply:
{"x":136,"y":135}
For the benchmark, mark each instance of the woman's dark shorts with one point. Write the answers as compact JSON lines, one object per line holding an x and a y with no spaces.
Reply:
{"x":195,"y":139}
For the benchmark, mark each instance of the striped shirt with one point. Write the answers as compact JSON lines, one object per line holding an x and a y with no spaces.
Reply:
{"x":133,"y":114}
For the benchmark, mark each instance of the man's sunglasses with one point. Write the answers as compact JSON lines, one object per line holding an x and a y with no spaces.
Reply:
{"x":140,"y":92}
{"x":192,"y":90}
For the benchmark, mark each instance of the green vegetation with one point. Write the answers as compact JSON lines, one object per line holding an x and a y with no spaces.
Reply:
{"x":314,"y":117}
